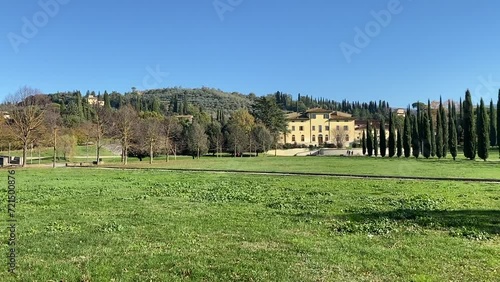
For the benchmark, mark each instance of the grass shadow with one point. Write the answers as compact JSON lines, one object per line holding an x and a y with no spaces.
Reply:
{"x":485,"y":221}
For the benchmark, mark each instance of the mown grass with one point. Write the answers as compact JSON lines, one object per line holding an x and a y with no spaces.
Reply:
{"x":96,"y":225}
{"x":345,"y":165}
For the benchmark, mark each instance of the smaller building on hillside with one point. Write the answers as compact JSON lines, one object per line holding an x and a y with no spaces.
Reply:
{"x":93,"y":100}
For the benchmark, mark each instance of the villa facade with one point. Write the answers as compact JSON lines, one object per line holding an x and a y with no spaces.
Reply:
{"x":319,"y":127}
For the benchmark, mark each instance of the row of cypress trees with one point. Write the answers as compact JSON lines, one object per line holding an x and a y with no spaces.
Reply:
{"x":477,"y":127}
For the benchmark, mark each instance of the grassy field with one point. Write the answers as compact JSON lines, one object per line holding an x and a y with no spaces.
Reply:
{"x":351,"y":165}
{"x":96,"y":225}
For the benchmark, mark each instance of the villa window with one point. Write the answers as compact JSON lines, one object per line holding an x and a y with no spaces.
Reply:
{"x":313,"y":116}
{"x":313,"y":128}
{"x":301,"y":128}
{"x":325,"y":116}
{"x":327,"y":128}
{"x":338,"y":127}
{"x":346,"y":127}
{"x":314,"y":138}
{"x":302,"y":138}
{"x":320,"y":128}
{"x":326,"y":138}
{"x":293,"y":128}
{"x":347,"y":138}
{"x":293,"y":138}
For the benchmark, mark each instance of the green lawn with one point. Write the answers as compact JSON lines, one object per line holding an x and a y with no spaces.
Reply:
{"x":96,"y":225}
{"x":351,"y":165}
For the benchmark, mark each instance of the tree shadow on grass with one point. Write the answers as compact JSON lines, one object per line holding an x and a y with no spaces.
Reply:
{"x":486,"y":221}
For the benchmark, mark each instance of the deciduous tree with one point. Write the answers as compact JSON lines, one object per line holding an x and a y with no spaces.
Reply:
{"x":26,"y":110}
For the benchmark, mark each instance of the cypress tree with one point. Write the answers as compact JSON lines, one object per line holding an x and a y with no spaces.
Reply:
{"x":392,"y":135}
{"x":427,"y":136}
{"x":363,"y":141}
{"x":468,"y":127}
{"x":375,"y":142}
{"x":439,"y":136}
{"x":407,"y":134}
{"x":483,"y":127}
{"x":498,"y":122}
{"x":383,"y":139}
{"x":369,"y":139}
{"x":493,"y":125}
{"x":399,"y":144}
{"x":483,"y":134}
{"x":444,"y":128}
{"x":431,"y":128}
{"x":79,"y":104}
{"x":107,"y":101}
{"x":453,"y":133}
{"x":415,"y":139}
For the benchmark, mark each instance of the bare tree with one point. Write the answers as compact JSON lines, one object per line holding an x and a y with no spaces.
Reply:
{"x":102,"y":125}
{"x":339,"y":135}
{"x":52,"y":124}
{"x":26,"y":110}
{"x":125,"y":119}
{"x":197,"y":143}
{"x":170,"y":129}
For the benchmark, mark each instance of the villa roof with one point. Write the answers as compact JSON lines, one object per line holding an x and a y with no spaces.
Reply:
{"x":318,"y":110}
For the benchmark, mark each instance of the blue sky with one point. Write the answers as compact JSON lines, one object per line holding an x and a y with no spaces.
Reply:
{"x":423,"y":49}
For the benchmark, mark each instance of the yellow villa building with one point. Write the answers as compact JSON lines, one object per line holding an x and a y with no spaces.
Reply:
{"x":319,"y":127}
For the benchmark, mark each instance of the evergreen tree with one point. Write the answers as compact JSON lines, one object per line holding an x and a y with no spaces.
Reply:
{"x":156,"y":105}
{"x":415,"y":139}
{"x":107,"y":101}
{"x":369,"y":139}
{"x":407,"y":134}
{"x":383,"y":139}
{"x":453,"y":135}
{"x":468,"y":127}
{"x":363,"y":142}
{"x":375,"y":142}
{"x":427,"y":136}
{"x":399,"y":144}
{"x":79,"y":104}
{"x":498,"y":122}
{"x":493,"y":125}
{"x":444,"y":128}
{"x":439,"y":136}
{"x":431,"y":128}
{"x":392,"y":135}
{"x":483,"y":134}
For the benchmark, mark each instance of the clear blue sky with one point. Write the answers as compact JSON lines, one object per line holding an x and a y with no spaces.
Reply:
{"x":427,"y":48}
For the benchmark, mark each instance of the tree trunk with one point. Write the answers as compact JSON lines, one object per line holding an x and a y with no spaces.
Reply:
{"x":150,"y":152}
{"x":25,"y":148}
{"x":98,"y":149}
{"x":55,"y":149}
